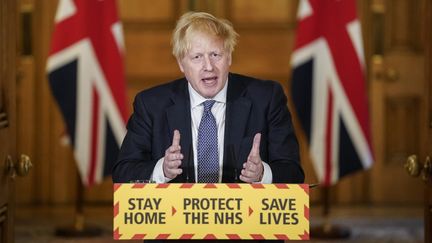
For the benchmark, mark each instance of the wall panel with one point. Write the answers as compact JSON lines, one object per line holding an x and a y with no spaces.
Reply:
{"x":267,"y":31}
{"x":147,"y":11}
{"x":148,"y":53}
{"x":257,"y":12}
{"x":256,"y":55}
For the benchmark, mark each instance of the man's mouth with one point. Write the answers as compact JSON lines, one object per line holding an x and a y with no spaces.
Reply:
{"x":209,"y":80}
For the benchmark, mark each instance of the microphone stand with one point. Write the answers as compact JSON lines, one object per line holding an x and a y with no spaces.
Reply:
{"x":79,"y":228}
{"x":327,"y":230}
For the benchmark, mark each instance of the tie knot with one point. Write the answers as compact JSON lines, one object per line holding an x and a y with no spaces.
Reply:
{"x":208,"y":105}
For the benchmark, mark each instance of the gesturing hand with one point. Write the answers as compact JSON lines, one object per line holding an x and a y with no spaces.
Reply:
{"x":253,"y":168}
{"x":173,"y":157}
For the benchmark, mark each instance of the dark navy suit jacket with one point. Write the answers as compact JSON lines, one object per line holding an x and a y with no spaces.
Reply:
{"x":252,"y":106}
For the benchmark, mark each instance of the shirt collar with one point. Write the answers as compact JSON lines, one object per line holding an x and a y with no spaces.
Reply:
{"x":196,"y":99}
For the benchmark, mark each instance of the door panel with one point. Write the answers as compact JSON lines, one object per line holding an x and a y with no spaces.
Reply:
{"x":7,"y":114}
{"x":428,"y":206}
{"x":420,"y":165}
{"x":397,"y":97}
{"x":428,"y":183}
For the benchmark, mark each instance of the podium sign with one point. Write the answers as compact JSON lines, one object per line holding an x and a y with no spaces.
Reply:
{"x":211,"y":211}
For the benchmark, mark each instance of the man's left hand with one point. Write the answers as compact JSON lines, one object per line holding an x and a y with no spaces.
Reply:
{"x":253,"y":168}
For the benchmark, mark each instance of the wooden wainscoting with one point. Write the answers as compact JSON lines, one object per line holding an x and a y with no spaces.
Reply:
{"x":267,"y":31}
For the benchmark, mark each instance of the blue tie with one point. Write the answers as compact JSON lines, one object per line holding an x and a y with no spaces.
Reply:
{"x":208,"y":158}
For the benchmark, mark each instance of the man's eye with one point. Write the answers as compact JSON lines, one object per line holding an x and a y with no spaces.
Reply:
{"x":215,"y":55}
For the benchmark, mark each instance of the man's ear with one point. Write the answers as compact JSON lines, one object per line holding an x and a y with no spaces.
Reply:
{"x":229,"y":59}
{"x":180,"y":65}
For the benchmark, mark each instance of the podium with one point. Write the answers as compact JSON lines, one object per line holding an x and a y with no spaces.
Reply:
{"x":211,"y":211}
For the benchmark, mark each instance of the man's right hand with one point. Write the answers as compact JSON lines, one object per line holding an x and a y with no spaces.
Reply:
{"x":173,"y":157}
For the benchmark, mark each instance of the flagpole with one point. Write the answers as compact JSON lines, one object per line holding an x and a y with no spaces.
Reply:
{"x":79,"y":228}
{"x":327,"y":230}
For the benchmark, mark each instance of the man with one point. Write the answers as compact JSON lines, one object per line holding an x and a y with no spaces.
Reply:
{"x":255,"y":138}
{"x":211,"y":126}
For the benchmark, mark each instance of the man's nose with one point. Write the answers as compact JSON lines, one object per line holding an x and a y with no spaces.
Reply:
{"x":208,"y":65}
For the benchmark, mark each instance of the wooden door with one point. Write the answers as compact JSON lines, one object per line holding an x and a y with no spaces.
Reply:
{"x":428,"y":210}
{"x":398,"y":102}
{"x":428,"y":192}
{"x":428,"y":153}
{"x":420,"y":165}
{"x":7,"y":115}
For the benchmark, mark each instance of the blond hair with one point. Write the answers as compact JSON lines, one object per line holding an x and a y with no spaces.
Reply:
{"x":201,"y":22}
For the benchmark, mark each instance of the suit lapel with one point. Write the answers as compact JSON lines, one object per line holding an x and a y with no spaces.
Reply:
{"x":179,"y":118}
{"x":236,"y":120}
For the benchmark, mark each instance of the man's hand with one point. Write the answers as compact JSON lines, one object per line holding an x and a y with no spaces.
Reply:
{"x":253,"y":168}
{"x":173,"y":157}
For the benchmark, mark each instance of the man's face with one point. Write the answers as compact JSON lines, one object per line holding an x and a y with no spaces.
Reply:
{"x":206,"y":64}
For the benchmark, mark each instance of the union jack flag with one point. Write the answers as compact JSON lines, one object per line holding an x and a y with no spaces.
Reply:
{"x":86,"y":74}
{"x":328,"y":88}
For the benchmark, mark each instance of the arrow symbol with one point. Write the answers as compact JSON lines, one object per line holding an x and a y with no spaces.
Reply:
{"x":250,"y":211}
{"x":173,"y":210}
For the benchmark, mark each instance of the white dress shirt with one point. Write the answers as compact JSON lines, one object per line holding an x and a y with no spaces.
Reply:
{"x":218,"y":111}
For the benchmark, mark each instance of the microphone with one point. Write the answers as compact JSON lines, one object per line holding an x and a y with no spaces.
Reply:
{"x":313,"y":185}
{"x":233,"y":156}
{"x":189,"y":163}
